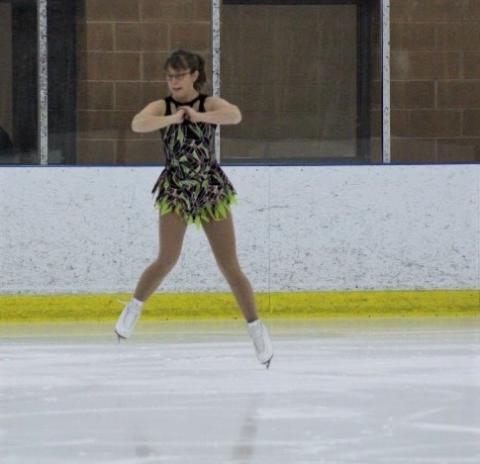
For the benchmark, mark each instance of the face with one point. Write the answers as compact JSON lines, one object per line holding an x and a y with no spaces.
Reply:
{"x":180,"y":81}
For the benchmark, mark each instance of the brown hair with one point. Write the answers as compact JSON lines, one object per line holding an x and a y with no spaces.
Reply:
{"x":184,"y":59}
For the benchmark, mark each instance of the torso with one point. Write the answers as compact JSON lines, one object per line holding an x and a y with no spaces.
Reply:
{"x":186,"y":136}
{"x":201,"y":103}
{"x":192,"y":179}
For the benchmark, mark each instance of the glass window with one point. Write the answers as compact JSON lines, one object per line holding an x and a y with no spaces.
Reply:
{"x":121,"y":49}
{"x":18,"y":82}
{"x":435,"y":82}
{"x":306,"y":76}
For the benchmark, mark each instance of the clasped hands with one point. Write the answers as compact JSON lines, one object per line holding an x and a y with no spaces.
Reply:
{"x":190,"y":114}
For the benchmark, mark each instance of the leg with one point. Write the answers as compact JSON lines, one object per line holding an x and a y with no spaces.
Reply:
{"x":172,"y":231}
{"x":221,"y":236}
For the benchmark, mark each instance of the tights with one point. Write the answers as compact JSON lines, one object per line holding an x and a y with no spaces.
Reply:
{"x":221,"y":237}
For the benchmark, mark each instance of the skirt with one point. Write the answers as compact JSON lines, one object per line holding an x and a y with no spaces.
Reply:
{"x":206,"y":196}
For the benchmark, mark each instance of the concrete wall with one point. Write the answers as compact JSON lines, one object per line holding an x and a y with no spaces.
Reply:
{"x":94,"y":229}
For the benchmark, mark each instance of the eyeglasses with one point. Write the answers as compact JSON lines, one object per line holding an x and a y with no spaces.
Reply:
{"x":170,"y":77}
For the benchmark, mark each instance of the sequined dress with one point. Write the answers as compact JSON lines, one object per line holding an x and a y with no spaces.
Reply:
{"x":192,"y":184}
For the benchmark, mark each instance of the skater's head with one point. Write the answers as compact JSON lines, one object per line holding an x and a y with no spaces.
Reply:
{"x":185,"y":72}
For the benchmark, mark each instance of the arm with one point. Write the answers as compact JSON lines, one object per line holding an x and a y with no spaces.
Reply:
{"x":220,"y":111}
{"x":152,"y":118}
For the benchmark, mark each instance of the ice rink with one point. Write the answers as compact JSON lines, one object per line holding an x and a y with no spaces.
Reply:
{"x":347,"y":391}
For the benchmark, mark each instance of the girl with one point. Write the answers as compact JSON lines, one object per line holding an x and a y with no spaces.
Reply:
{"x":193,"y":188}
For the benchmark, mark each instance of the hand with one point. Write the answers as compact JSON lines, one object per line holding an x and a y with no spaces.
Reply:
{"x":179,"y":116}
{"x":192,"y":115}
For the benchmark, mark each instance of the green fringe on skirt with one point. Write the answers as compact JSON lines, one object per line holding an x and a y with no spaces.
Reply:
{"x":217,"y":211}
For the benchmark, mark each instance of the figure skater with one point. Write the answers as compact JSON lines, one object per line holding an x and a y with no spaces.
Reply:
{"x":193,"y":188}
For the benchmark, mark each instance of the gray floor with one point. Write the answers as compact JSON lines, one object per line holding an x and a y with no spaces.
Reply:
{"x":365,"y":391}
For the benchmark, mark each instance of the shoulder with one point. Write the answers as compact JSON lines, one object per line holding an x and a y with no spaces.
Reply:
{"x":156,"y":108}
{"x":213,"y":103}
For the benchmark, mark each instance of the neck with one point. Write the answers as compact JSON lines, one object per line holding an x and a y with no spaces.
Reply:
{"x":188,"y":98}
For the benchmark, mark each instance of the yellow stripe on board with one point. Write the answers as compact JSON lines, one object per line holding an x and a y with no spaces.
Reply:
{"x":301,"y":305}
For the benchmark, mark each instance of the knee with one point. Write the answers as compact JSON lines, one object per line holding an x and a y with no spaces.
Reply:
{"x":165,"y":264}
{"x":231,"y":271}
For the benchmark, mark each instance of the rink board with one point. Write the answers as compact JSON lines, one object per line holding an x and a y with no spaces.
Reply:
{"x":168,"y":306}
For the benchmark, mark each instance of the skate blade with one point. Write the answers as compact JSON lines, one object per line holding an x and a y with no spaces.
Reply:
{"x":267,"y":363}
{"x":120,"y":337}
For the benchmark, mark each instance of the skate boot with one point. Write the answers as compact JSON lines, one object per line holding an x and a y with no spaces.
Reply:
{"x":128,"y":319}
{"x":261,"y":341}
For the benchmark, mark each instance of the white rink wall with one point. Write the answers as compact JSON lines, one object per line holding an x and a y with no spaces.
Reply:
{"x":313,"y":228}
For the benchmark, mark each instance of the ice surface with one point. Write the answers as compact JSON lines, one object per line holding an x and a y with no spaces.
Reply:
{"x":346,"y":391}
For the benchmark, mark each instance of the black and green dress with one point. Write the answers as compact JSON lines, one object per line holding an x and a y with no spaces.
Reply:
{"x":192,"y":184}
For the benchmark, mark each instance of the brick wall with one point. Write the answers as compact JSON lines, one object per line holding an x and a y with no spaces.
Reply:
{"x":435,"y":80}
{"x":122,"y":46}
{"x":435,"y":86}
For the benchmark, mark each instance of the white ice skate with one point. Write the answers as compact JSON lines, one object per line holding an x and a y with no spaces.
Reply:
{"x":261,"y":341}
{"x":127,"y":320}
